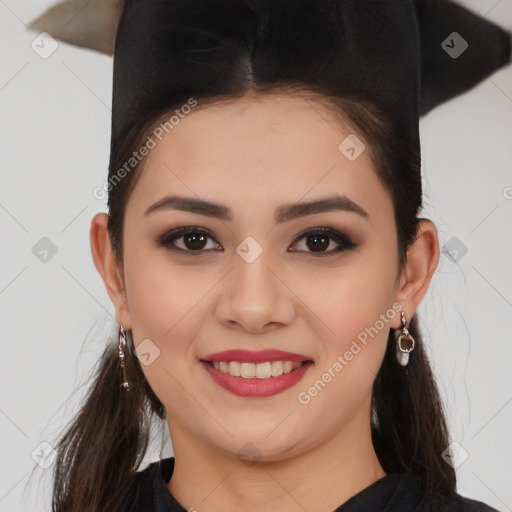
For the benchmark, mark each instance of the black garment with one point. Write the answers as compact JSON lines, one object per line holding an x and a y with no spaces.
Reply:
{"x":396,"y":492}
{"x":397,"y":53}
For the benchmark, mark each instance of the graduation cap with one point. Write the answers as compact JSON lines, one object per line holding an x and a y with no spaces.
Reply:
{"x":408,"y":56}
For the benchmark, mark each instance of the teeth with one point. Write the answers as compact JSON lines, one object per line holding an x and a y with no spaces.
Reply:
{"x":256,"y":370}
{"x":248,"y":370}
{"x":263,"y":370}
{"x":234,"y":368}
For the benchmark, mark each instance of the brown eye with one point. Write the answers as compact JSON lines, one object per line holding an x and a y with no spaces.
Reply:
{"x":194,"y":241}
{"x":320,"y":239}
{"x":191,"y":240}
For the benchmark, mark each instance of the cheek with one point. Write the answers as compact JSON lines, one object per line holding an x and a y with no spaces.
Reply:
{"x":357,"y":308}
{"x":353,"y":306}
{"x":167,"y":307}
{"x":166,"y":304}
{"x":161,"y":295}
{"x":352,"y":297}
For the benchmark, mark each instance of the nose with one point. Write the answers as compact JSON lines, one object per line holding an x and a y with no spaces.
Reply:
{"x":255,"y":297}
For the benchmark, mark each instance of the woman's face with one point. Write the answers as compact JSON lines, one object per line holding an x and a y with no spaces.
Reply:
{"x":252,"y":279}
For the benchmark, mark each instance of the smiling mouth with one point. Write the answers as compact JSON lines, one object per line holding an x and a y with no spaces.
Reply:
{"x":266,"y":370}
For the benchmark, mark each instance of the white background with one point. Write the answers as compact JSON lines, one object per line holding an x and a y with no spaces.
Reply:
{"x":56,"y":316}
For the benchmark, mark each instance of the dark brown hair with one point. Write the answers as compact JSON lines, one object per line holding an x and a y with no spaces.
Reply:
{"x":104,"y":443}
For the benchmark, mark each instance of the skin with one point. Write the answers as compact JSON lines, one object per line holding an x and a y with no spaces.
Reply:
{"x":253,"y":154}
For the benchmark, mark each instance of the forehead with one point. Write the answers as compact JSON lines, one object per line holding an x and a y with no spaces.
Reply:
{"x":257,"y":148}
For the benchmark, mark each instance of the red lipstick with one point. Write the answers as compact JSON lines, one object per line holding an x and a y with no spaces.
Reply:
{"x":256,"y":387}
{"x":261,"y":356}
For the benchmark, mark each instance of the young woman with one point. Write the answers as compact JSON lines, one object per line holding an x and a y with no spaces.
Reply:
{"x":265,"y":257}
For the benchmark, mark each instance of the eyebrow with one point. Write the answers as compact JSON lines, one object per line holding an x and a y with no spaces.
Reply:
{"x":284,"y":213}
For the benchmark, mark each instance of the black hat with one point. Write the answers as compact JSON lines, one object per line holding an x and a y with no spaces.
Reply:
{"x":408,"y":56}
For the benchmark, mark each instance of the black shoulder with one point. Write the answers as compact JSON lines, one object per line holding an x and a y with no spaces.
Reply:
{"x":412,"y":490}
{"x":140,"y":498}
{"x":469,"y":505}
{"x":454,"y":503}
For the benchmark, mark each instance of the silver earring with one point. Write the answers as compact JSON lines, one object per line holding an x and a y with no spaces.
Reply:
{"x":404,"y":343}
{"x":122,"y":346}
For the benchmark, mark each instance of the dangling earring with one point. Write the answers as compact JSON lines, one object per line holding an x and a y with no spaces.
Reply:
{"x":404,"y":343}
{"x":122,"y":346}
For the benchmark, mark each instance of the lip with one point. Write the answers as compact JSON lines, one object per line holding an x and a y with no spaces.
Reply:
{"x":260,"y":356}
{"x":256,"y":387}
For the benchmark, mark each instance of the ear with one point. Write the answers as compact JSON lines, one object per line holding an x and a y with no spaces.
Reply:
{"x":422,"y":260}
{"x":86,"y":23}
{"x":109,"y":267}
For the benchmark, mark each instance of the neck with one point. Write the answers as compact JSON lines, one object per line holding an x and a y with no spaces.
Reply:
{"x":319,"y":479}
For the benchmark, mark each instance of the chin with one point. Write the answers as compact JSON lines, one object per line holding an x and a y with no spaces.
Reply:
{"x":256,"y":445}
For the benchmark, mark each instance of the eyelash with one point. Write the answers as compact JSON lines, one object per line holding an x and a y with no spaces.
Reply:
{"x":344,"y":242}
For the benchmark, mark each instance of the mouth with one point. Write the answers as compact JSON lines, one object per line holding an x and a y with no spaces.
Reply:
{"x":261,"y":379}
